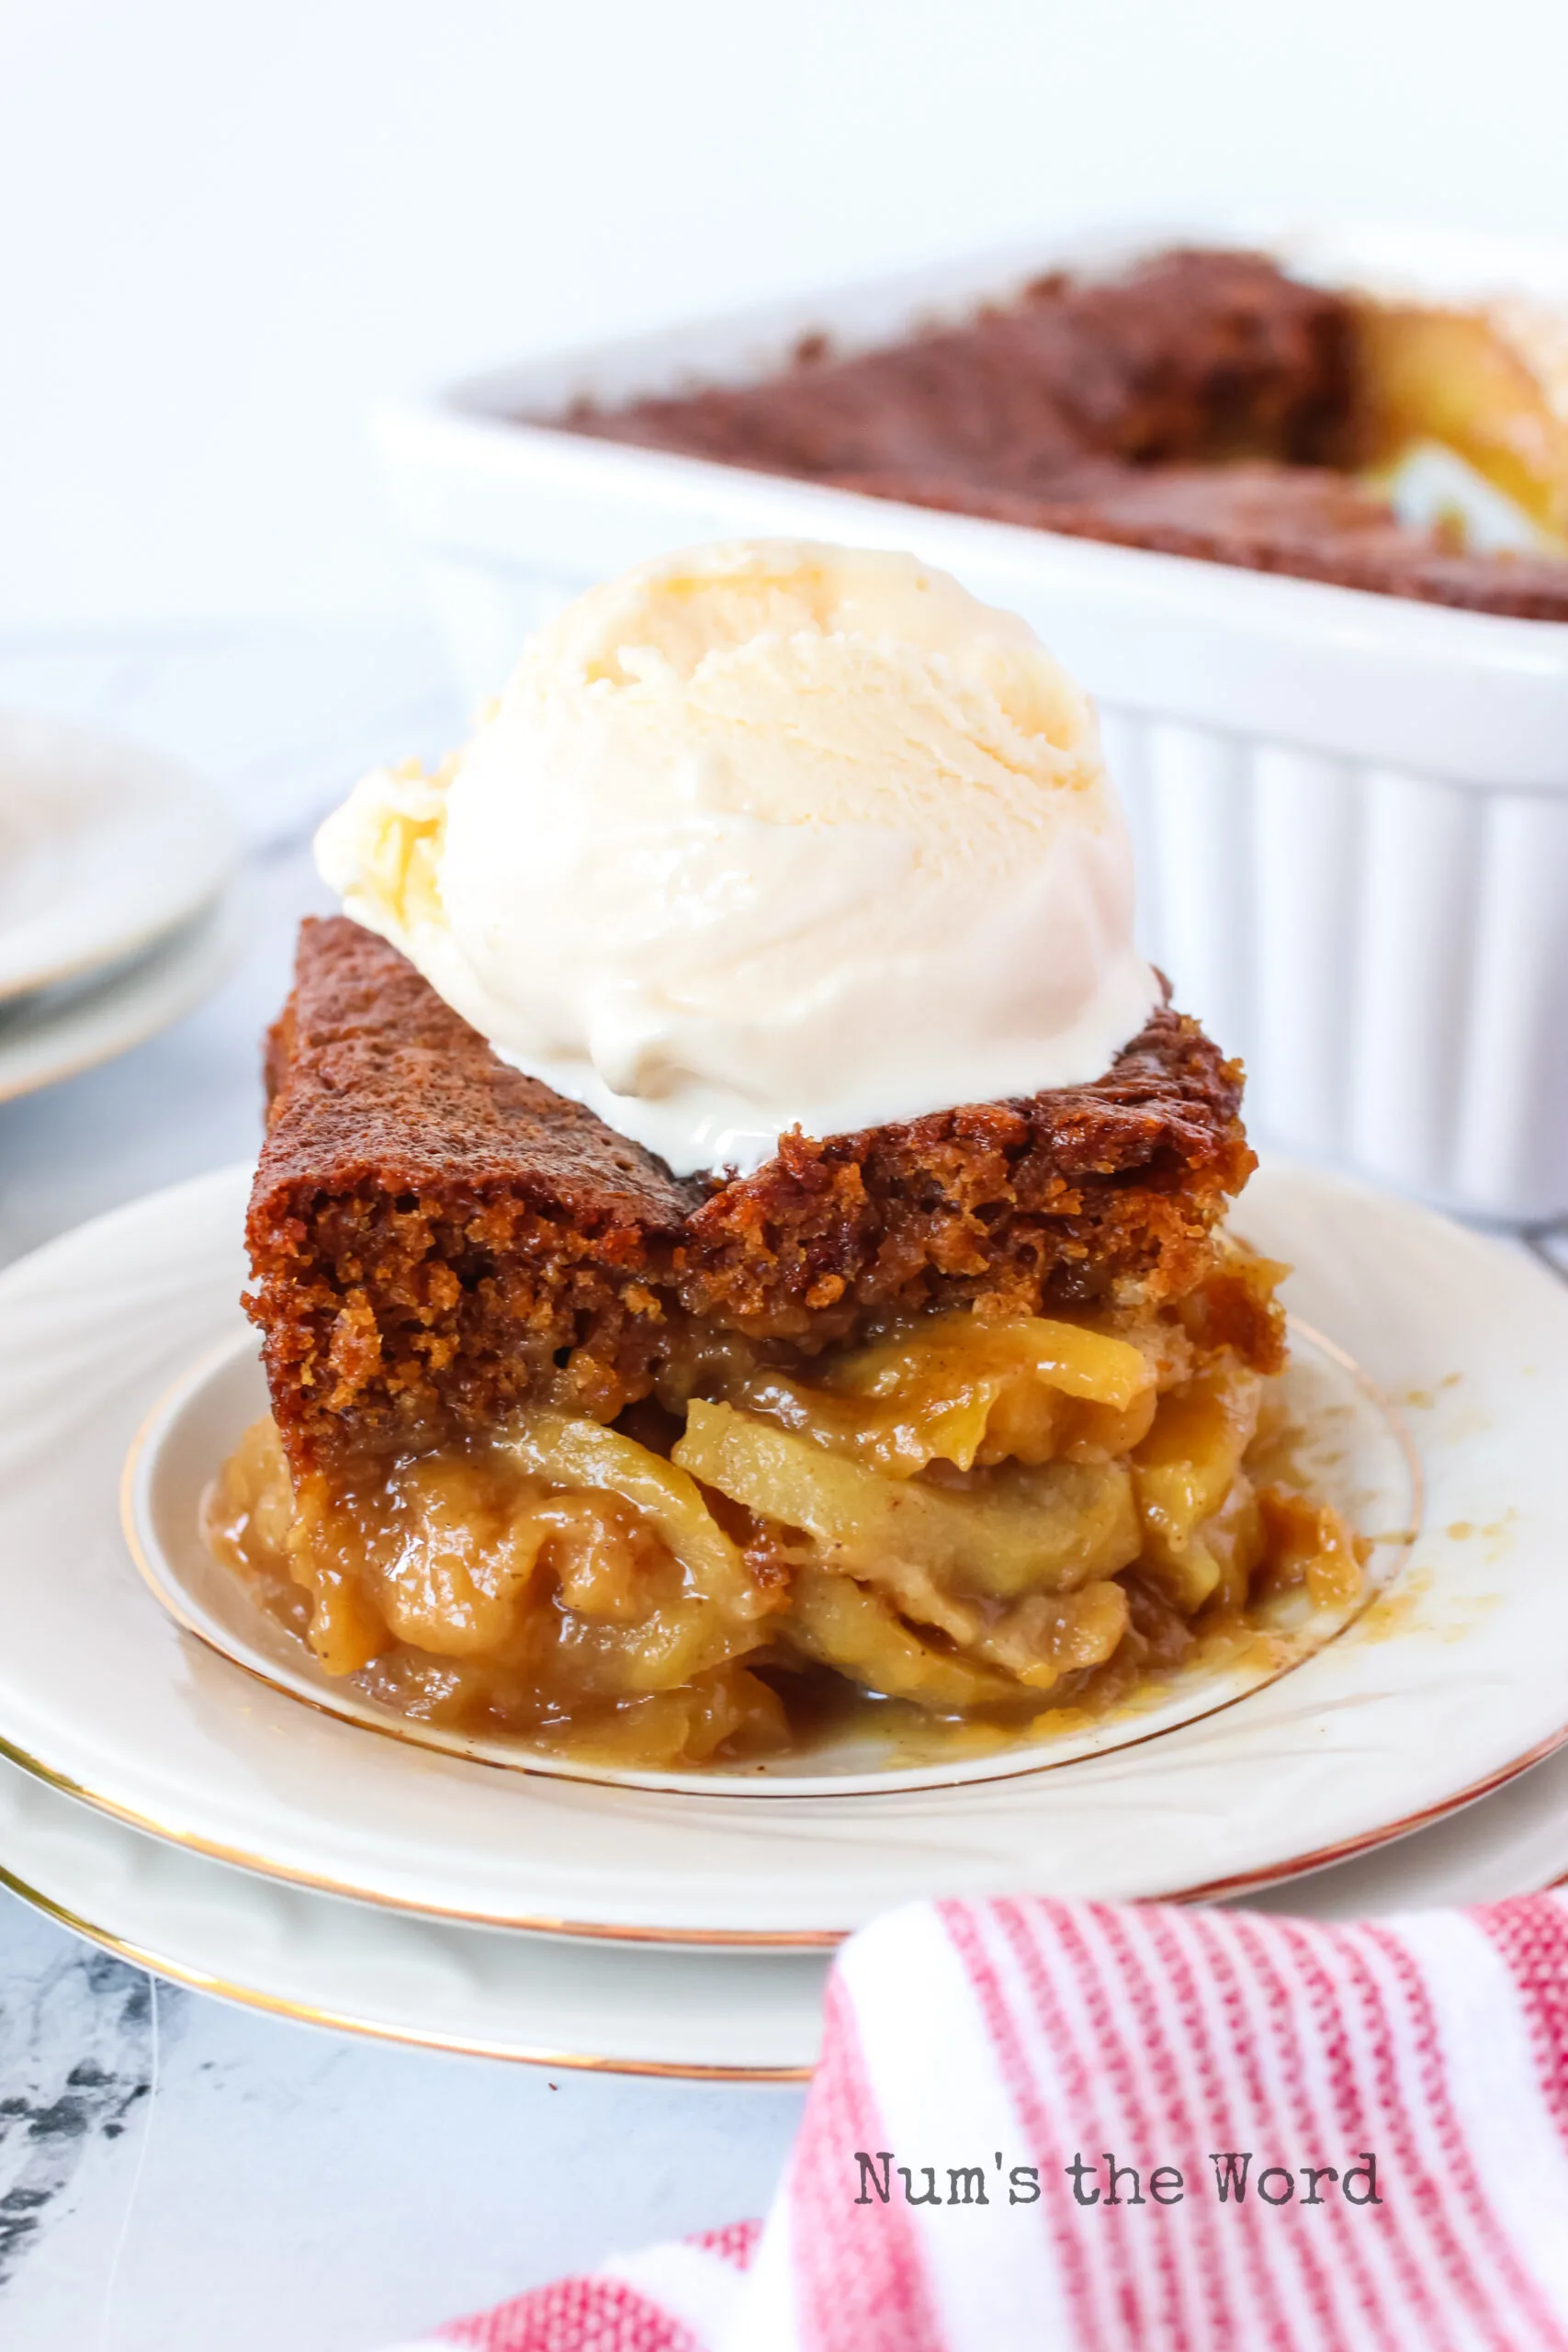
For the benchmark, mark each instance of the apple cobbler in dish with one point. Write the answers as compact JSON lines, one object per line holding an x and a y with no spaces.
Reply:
{"x":1201,"y":402}
{"x":962,"y":1415}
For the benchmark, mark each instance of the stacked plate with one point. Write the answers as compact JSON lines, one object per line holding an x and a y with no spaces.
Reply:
{"x":188,"y":1789}
{"x":114,"y":862}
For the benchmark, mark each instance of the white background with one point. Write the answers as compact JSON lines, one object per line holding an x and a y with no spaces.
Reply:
{"x":226,"y":226}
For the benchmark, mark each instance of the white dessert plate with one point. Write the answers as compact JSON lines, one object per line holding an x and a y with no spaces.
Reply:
{"x":1450,"y":1683}
{"x":105,"y":845}
{"x":489,"y":1992}
{"x":492,"y":1993}
{"x":58,"y":1032}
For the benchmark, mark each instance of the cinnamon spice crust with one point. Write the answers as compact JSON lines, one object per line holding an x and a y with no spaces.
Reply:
{"x":433,"y":1236}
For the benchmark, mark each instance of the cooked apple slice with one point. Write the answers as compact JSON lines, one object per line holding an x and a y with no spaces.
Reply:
{"x":1045,"y":1529}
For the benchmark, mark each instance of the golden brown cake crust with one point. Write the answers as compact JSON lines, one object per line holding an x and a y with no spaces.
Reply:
{"x":1083,"y":1193}
{"x":432,"y":1233}
{"x":370,"y":1073}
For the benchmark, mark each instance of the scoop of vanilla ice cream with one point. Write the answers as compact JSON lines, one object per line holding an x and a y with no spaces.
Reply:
{"x":766,"y":834}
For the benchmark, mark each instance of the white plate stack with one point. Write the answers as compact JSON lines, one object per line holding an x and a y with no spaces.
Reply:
{"x":115,"y":864}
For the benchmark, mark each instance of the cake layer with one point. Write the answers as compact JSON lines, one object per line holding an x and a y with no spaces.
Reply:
{"x":1192,"y":355}
{"x":435,"y":1238}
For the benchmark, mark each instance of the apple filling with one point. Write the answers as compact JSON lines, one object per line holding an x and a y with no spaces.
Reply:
{"x":964,"y":1520}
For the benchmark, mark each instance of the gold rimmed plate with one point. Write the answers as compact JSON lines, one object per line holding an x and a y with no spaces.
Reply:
{"x":708,"y":2016}
{"x":714,"y":2017}
{"x":1449,"y":1683}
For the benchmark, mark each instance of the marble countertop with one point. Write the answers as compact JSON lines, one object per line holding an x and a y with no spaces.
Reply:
{"x":176,"y":2174}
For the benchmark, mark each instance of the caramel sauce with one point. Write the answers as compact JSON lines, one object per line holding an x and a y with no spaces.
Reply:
{"x":961,"y":1535}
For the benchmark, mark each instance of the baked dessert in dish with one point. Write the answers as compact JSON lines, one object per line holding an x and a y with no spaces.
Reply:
{"x":1202,"y":403}
{"x":1188,"y":357}
{"x":1306,"y":521}
{"x":962,"y":1414}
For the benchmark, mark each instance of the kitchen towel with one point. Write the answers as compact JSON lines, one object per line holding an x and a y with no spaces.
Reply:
{"x":1072,"y":2127}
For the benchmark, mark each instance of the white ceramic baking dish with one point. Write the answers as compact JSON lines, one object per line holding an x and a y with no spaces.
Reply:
{"x":1351,"y":812}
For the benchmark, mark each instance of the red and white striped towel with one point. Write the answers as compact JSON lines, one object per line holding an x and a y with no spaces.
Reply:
{"x":1334,"y":2139}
